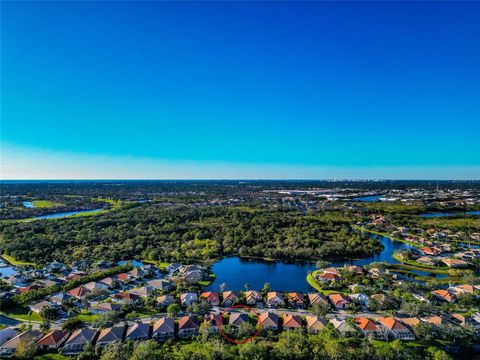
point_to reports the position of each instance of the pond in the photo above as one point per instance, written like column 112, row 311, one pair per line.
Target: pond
column 135, row 263
column 67, row 214
column 285, row 276
column 455, row 213
column 6, row 269
column 28, row 204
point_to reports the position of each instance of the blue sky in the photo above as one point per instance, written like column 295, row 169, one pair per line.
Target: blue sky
column 244, row 90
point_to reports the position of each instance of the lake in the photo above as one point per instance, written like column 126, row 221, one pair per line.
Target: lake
column 285, row 276
column 66, row 214
column 442, row 214
column 370, row 198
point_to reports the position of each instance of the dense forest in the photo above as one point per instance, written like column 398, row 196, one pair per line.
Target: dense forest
column 188, row 233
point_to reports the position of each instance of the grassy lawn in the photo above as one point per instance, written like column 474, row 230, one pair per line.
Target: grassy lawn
column 100, row 211
column 116, row 204
column 22, row 314
column 211, row 279
column 314, row 283
column 52, row 356
column 14, row 262
column 45, row 204
column 87, row 316
column 413, row 265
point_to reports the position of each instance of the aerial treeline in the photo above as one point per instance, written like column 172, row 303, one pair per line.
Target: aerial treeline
column 188, row 233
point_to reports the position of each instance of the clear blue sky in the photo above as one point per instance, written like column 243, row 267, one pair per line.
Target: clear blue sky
column 212, row 90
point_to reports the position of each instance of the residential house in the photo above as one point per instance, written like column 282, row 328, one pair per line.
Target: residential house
column 104, row 307
column 291, row 322
column 9, row 347
column 109, row 281
column 60, row 298
column 434, row 320
column 110, row 335
column 188, row 326
column 268, row 321
column 316, row 298
column 125, row 278
column 79, row 339
column 328, row 277
column 187, row 299
column 161, row 284
column 126, row 298
column 214, row 322
column 39, row 306
column 410, row 322
column 253, row 297
column 355, row 269
column 210, row 297
column 79, row 293
column 275, row 299
column 7, row 334
column 396, row 329
column 444, row 295
column 342, row 326
column 144, row 291
column 163, row 329
column 454, row 263
column 236, row 319
column 165, row 300
column 339, row 301
column 28, row 288
column 137, row 273
column 95, row 286
column 229, row 298
column 370, row 329
column 315, row 324
column 138, row 332
column 296, row 299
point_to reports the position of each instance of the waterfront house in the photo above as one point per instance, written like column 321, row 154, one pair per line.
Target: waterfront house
column 296, row 300
column 188, row 299
column 316, row 298
column 454, row 263
column 253, row 297
column 110, row 335
column 396, row 329
column 9, row 347
column 315, row 324
column 79, row 340
column 138, row 332
column 210, row 297
column 291, row 322
column 165, row 300
column 328, row 277
column 229, row 298
column 268, row 321
column 339, row 301
column 275, row 299
column 187, row 326
column 163, row 329
column 355, row 269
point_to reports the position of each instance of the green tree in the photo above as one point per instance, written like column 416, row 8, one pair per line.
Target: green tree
column 173, row 309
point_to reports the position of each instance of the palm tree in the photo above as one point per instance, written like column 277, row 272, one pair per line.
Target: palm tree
column 246, row 286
